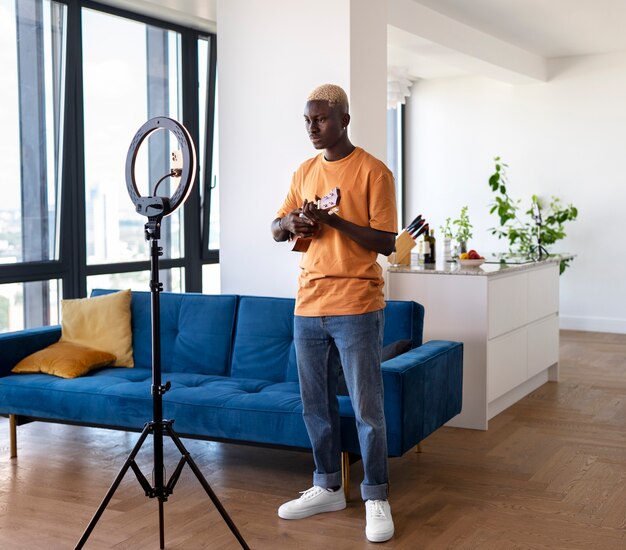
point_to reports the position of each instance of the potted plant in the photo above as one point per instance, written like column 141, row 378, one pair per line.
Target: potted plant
column 544, row 227
column 459, row 230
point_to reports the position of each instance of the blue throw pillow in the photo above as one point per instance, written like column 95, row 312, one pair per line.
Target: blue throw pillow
column 396, row 348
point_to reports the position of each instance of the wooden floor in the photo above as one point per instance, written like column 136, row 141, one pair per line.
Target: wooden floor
column 550, row 473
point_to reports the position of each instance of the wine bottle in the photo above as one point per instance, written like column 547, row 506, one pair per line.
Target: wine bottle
column 431, row 258
column 426, row 245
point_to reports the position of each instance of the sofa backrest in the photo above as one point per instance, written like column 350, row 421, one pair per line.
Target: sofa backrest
column 196, row 331
column 263, row 346
column 240, row 336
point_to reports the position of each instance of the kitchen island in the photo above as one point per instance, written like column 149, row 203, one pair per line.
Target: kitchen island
column 507, row 316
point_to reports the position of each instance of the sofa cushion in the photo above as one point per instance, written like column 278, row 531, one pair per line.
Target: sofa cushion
column 263, row 345
column 202, row 405
column 196, row 331
column 102, row 322
column 239, row 408
column 64, row 359
column 110, row 397
column 395, row 348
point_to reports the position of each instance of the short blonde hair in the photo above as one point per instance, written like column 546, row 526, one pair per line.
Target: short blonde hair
column 332, row 93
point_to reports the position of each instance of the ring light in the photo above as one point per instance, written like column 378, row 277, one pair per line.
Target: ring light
column 155, row 206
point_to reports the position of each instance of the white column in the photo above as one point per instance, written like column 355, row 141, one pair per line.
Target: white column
column 368, row 75
column 271, row 54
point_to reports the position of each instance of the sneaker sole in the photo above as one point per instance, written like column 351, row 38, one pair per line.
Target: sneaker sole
column 381, row 536
column 334, row 507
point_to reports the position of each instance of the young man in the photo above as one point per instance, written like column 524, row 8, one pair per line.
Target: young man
column 339, row 306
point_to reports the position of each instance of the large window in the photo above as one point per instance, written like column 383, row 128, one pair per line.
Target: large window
column 125, row 83
column 33, row 38
column 79, row 80
column 16, row 297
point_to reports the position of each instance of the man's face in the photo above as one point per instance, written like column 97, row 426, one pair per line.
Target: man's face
column 324, row 123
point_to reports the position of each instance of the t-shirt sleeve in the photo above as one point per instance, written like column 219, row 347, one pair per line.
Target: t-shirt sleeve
column 383, row 212
column 293, row 200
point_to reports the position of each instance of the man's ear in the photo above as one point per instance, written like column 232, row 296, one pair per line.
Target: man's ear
column 345, row 120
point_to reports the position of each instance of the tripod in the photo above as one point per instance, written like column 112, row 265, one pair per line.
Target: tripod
column 157, row 426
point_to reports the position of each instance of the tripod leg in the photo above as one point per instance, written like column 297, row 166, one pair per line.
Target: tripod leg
column 206, row 486
column 161, row 525
column 112, row 489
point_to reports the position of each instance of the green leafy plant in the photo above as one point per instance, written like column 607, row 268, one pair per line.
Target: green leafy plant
column 459, row 230
column 464, row 227
column 446, row 230
column 522, row 233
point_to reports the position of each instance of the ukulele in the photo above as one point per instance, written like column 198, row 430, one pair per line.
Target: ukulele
column 328, row 202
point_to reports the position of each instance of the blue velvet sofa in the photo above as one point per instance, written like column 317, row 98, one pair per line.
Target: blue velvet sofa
column 232, row 367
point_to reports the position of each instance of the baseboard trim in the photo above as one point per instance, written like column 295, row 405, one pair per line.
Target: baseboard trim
column 593, row 324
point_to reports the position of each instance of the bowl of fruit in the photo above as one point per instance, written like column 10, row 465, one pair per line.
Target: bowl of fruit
column 470, row 259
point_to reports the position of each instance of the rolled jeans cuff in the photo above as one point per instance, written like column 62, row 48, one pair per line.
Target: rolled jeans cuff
column 374, row 492
column 327, row 480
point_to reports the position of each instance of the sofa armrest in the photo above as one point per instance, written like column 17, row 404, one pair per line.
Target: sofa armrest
column 423, row 390
column 14, row 346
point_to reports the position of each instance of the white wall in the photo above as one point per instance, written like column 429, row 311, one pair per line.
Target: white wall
column 566, row 137
column 271, row 54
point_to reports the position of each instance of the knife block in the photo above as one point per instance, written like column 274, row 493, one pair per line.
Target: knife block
column 404, row 245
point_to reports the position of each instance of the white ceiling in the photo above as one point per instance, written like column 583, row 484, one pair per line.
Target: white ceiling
column 542, row 29
column 550, row 28
column 197, row 14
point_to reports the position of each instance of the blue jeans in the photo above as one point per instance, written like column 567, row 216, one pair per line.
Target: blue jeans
column 355, row 343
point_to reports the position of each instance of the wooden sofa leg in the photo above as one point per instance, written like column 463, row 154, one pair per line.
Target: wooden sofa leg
column 418, row 448
column 13, row 434
column 345, row 474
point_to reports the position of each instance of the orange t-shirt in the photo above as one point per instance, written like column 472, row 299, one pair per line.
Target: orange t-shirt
column 339, row 276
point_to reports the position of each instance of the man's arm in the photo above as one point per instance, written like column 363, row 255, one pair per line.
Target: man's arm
column 372, row 239
column 382, row 242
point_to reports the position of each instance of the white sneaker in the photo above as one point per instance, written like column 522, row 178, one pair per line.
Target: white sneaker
column 378, row 522
column 313, row 501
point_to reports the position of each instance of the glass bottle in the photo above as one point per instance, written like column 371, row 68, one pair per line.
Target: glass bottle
column 429, row 247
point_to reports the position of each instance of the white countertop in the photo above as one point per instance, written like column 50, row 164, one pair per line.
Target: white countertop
column 486, row 269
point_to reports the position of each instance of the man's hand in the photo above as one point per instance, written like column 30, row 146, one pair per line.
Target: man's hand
column 295, row 223
column 300, row 224
column 317, row 215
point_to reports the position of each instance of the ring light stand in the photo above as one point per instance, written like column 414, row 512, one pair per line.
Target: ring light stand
column 156, row 208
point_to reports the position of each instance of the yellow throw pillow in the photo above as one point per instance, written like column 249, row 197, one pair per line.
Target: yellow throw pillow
column 64, row 359
column 102, row 323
